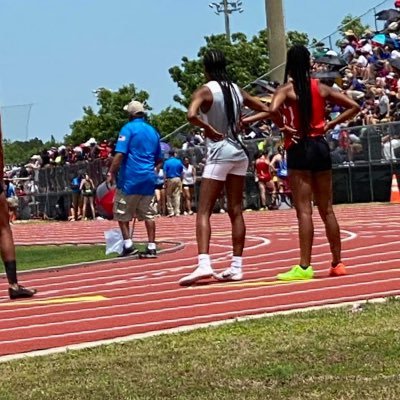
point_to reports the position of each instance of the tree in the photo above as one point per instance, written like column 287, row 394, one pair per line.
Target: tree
column 354, row 24
column 107, row 122
column 294, row 37
column 19, row 152
column 248, row 60
column 168, row 120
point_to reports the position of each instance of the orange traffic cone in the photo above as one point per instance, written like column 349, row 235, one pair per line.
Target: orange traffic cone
column 395, row 194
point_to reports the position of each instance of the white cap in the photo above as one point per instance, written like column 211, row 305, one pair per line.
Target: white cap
column 134, row 107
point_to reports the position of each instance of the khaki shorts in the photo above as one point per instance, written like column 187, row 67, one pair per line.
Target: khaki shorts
column 129, row 206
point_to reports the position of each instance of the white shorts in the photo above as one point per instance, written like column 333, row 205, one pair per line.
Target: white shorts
column 219, row 171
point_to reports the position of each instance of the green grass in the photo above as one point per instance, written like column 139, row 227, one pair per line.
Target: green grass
column 30, row 257
column 331, row 354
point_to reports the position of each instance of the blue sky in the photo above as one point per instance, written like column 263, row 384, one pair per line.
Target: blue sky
column 55, row 52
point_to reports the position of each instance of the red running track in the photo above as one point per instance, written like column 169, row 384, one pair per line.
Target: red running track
column 108, row 301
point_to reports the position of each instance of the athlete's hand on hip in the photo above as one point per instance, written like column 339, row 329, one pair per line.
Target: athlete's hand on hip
column 291, row 132
column 213, row 134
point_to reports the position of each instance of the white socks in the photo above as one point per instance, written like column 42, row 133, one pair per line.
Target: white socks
column 151, row 246
column 128, row 243
column 204, row 261
column 237, row 262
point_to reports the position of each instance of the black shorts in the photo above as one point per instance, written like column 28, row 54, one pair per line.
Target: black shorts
column 310, row 154
column 188, row 185
column 159, row 187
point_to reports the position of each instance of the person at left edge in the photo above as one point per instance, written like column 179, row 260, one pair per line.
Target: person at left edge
column 137, row 153
column 7, row 246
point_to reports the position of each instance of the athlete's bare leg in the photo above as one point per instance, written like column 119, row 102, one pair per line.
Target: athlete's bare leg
column 210, row 190
column 322, row 188
column 301, row 186
column 234, row 194
column 7, row 250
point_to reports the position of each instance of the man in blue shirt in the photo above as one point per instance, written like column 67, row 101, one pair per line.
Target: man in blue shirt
column 173, row 169
column 137, row 153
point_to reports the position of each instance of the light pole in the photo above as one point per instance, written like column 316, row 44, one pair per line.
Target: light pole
column 276, row 38
column 227, row 7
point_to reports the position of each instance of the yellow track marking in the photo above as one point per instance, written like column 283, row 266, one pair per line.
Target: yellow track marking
column 56, row 300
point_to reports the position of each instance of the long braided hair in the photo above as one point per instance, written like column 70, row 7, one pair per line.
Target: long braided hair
column 298, row 67
column 215, row 66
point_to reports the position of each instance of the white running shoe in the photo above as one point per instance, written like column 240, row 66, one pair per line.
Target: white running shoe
column 230, row 274
column 198, row 274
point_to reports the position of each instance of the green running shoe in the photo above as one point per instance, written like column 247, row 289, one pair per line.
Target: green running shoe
column 297, row 274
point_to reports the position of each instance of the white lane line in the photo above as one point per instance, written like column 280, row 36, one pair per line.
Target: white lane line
column 245, row 296
column 115, row 273
column 206, row 316
column 172, row 272
column 186, row 328
column 177, row 290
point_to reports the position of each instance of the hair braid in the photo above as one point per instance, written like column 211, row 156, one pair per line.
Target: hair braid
column 215, row 66
column 298, row 66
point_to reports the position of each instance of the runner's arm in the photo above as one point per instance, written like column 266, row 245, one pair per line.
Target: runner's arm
column 277, row 101
column 254, row 104
column 340, row 99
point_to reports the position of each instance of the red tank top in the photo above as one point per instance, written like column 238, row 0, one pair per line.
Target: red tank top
column 291, row 114
column 263, row 170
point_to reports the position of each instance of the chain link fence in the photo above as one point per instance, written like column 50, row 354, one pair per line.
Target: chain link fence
column 364, row 161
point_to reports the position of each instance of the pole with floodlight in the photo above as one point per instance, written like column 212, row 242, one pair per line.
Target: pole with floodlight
column 227, row 8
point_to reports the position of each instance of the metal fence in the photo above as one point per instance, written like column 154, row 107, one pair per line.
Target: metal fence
column 364, row 161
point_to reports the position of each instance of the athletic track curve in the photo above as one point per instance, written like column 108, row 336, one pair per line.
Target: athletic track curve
column 103, row 301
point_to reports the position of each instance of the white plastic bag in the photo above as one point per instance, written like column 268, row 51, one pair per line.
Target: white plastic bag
column 114, row 241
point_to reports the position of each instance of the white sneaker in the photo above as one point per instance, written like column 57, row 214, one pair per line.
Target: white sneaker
column 198, row 274
column 230, row 274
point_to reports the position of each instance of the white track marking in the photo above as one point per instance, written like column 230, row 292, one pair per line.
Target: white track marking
column 210, row 316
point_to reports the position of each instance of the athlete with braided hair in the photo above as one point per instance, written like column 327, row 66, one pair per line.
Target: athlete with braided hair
column 298, row 108
column 216, row 108
column 7, row 248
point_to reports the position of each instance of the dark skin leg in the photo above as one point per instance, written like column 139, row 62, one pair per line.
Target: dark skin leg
column 151, row 230
column 210, row 190
column 322, row 188
column 301, row 184
column 234, row 195
column 124, row 226
column 304, row 185
column 7, row 247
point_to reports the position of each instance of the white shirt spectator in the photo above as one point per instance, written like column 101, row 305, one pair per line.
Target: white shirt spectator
column 362, row 61
column 348, row 53
column 383, row 105
column 395, row 54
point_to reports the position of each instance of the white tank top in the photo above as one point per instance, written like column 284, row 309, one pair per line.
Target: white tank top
column 187, row 175
column 229, row 149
